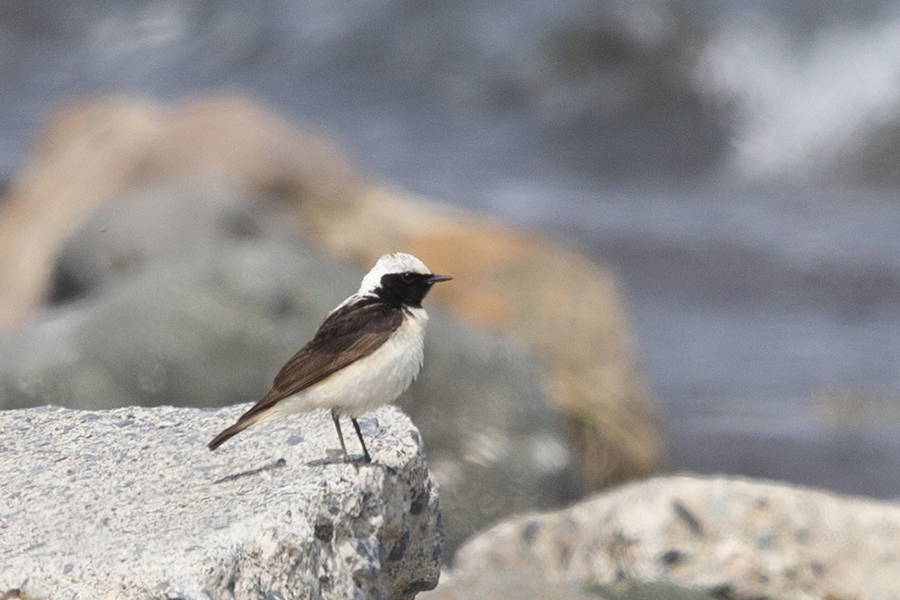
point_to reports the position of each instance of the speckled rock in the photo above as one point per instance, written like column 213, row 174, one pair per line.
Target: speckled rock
column 732, row 538
column 129, row 503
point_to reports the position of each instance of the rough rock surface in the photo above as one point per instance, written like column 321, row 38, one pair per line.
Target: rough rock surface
column 154, row 306
column 566, row 307
column 730, row 537
column 129, row 503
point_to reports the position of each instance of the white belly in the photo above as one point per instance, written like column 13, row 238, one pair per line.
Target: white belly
column 370, row 382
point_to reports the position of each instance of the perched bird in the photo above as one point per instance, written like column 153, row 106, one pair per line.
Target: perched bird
column 365, row 353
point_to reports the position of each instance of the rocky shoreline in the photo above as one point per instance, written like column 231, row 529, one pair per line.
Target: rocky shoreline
column 129, row 503
column 167, row 258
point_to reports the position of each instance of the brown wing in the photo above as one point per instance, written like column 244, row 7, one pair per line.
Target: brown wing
column 344, row 337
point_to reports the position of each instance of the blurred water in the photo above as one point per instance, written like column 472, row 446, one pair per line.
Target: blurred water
column 725, row 157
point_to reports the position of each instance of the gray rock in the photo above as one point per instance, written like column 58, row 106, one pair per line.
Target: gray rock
column 724, row 537
column 129, row 503
column 158, row 302
column 158, row 227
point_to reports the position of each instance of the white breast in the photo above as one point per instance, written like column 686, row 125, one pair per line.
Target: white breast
column 370, row 382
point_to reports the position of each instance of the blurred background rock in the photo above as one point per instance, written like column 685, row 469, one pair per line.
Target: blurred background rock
column 720, row 537
column 179, row 256
column 172, row 212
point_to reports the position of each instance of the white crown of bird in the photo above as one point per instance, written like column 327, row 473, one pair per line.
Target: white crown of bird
column 397, row 262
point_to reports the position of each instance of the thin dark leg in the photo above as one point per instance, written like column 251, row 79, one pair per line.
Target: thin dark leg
column 337, row 425
column 366, row 457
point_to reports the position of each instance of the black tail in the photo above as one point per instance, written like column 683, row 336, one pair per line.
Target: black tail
column 229, row 433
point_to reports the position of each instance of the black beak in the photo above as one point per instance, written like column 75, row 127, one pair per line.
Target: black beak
column 436, row 278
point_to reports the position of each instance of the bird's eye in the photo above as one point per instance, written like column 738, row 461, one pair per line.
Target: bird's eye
column 407, row 277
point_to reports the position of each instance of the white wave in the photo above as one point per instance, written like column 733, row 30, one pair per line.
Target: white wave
column 803, row 106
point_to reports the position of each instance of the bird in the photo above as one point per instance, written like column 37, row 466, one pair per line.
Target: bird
column 364, row 354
